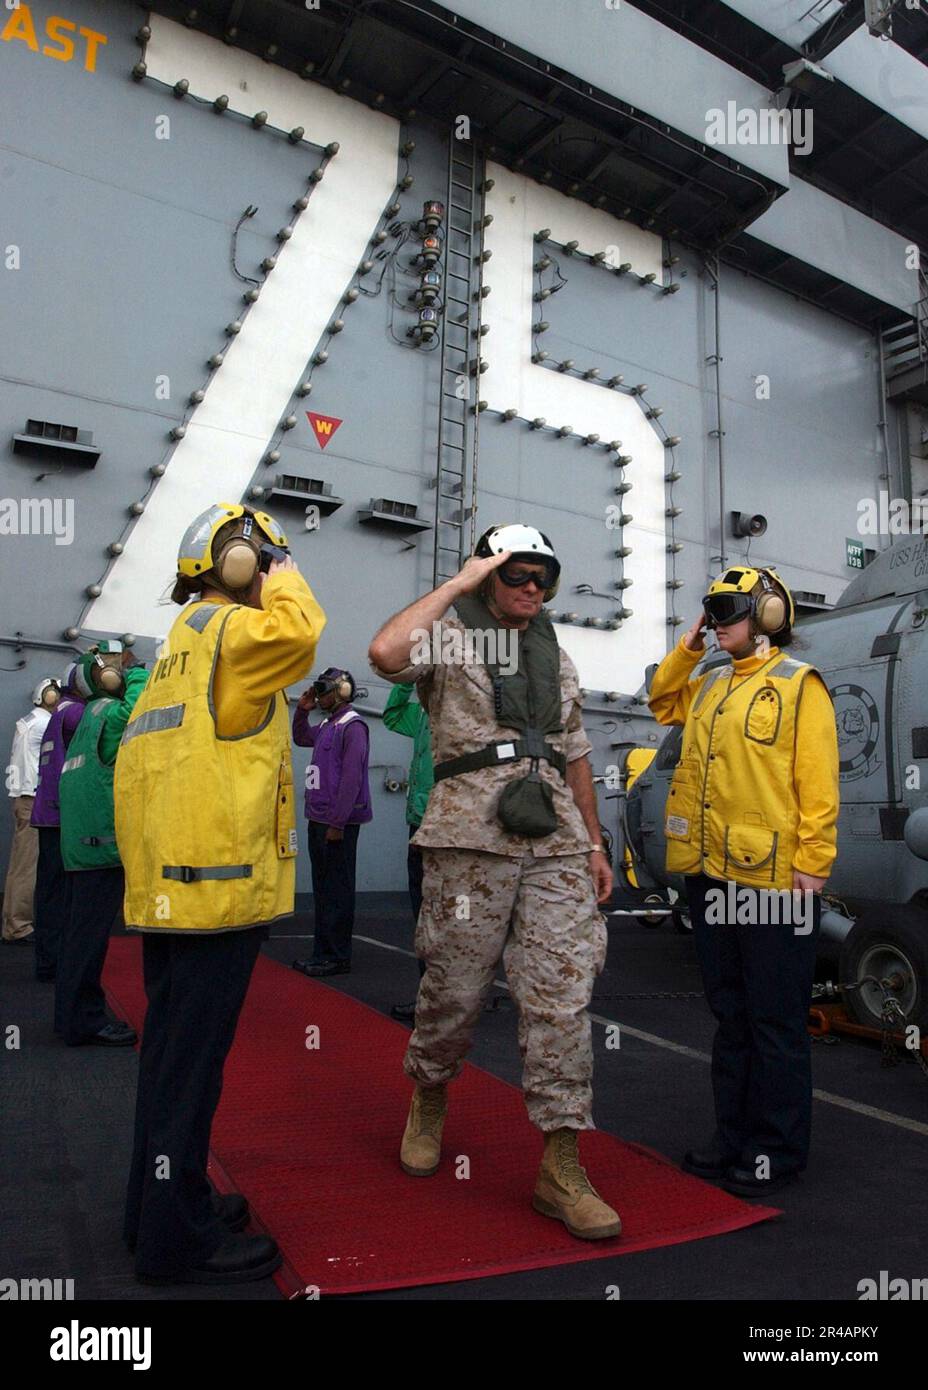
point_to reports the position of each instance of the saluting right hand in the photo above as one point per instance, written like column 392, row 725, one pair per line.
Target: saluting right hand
column 694, row 638
column 287, row 563
column 307, row 700
column 476, row 569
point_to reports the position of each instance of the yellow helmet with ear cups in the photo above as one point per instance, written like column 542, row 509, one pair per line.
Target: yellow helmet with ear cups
column 235, row 562
column 773, row 606
column 743, row 592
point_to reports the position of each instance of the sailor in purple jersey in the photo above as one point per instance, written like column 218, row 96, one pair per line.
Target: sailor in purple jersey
column 338, row 803
column 52, row 903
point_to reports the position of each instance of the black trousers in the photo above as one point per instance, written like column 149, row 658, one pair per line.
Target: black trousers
column 52, row 901
column 414, row 872
column 758, row 983
column 195, row 988
column 96, row 898
column 333, row 865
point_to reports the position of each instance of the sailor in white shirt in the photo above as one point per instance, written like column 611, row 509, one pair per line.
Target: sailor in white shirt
column 22, row 777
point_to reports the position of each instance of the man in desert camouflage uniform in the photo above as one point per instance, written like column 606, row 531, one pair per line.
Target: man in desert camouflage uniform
column 524, row 891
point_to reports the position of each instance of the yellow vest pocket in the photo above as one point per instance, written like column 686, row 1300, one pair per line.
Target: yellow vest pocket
column 762, row 722
column 751, row 850
column 286, row 813
column 681, row 805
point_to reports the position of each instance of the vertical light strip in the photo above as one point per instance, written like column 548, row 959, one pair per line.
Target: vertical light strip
column 245, row 400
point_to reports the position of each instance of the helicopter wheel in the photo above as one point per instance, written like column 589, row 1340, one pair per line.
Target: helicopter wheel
column 896, row 951
column 654, row 919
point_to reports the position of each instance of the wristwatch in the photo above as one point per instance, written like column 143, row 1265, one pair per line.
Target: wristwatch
column 596, row 848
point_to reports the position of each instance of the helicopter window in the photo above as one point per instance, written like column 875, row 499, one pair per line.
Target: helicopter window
column 668, row 755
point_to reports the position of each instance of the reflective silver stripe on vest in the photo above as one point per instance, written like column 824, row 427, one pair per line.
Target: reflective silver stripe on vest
column 198, row 619
column 47, row 747
column 186, row 873
column 787, row 668
column 167, row 717
column 98, row 839
column 73, row 763
column 710, row 680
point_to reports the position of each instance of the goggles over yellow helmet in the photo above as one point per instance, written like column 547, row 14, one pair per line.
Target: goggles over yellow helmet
column 744, row 592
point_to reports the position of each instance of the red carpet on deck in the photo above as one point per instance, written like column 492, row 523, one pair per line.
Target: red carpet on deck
column 311, row 1137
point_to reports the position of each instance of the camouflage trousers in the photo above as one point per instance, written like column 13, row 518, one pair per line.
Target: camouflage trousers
column 539, row 916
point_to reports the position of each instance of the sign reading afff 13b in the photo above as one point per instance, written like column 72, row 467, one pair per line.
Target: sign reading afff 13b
column 66, row 38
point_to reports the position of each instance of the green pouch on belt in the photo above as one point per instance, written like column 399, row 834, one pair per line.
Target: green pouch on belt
column 526, row 807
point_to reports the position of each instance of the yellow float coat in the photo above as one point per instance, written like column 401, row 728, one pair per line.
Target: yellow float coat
column 205, row 804
column 755, row 794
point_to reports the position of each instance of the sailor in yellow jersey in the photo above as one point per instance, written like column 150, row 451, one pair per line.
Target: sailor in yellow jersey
column 751, row 822
column 206, row 826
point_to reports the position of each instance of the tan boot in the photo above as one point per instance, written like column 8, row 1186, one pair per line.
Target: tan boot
column 564, row 1191
column 420, row 1151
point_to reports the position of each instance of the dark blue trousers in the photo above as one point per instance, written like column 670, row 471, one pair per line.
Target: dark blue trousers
column 52, row 901
column 196, row 987
column 758, row 984
column 333, row 865
column 96, row 899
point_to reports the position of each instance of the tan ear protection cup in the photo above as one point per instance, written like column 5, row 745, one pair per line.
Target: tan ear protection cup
column 770, row 610
column 343, row 690
column 237, row 564
column 771, row 613
column 110, row 679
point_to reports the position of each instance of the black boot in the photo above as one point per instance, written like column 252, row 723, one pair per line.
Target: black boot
column 239, row 1260
column 318, row 969
column 705, row 1163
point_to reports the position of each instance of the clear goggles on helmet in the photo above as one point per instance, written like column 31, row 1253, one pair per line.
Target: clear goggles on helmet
column 514, row 573
column 723, row 609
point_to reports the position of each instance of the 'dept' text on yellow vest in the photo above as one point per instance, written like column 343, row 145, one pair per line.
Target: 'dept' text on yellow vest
column 205, row 823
